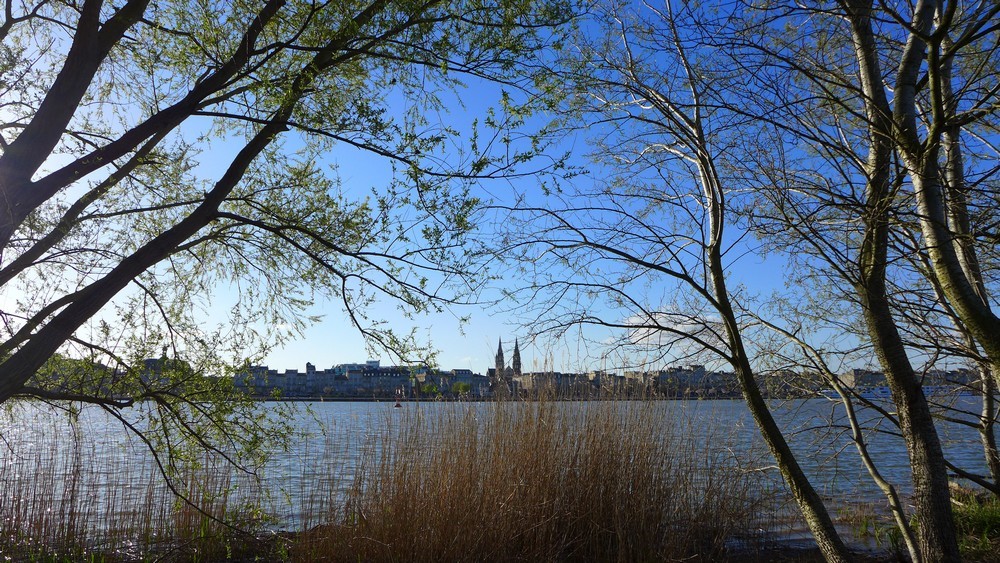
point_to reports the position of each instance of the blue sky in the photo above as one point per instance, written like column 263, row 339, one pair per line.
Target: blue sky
column 333, row 340
column 472, row 346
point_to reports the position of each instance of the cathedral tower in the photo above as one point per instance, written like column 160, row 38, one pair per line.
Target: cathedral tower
column 500, row 364
column 515, row 362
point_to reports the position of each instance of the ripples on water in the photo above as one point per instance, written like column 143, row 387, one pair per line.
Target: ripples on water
column 43, row 456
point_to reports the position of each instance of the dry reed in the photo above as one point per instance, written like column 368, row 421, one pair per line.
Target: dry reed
column 504, row 481
column 60, row 503
column 538, row 481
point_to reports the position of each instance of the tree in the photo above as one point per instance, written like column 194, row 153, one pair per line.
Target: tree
column 154, row 150
column 650, row 239
column 461, row 389
column 863, row 262
column 774, row 118
column 831, row 94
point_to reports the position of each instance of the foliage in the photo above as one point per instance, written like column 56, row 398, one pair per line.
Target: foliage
column 164, row 162
column 852, row 141
column 977, row 519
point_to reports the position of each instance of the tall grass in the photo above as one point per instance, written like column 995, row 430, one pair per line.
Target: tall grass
column 62, row 500
column 539, row 481
column 533, row 481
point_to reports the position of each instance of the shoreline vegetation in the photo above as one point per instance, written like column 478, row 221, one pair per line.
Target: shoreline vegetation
column 515, row 481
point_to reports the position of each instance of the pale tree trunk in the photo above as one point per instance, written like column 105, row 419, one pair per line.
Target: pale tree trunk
column 941, row 244
column 960, row 230
column 987, row 425
column 935, row 526
column 987, row 387
column 958, row 225
column 688, row 126
column 808, row 500
column 940, row 207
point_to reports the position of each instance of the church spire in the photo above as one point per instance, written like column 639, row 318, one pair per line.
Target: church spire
column 500, row 364
column 515, row 362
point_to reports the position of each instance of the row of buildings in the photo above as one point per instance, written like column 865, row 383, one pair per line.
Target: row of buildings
column 367, row 380
column 373, row 380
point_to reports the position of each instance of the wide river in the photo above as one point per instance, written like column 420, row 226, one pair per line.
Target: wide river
column 36, row 439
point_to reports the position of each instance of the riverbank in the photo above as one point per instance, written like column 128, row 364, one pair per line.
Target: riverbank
column 547, row 481
column 284, row 548
column 535, row 481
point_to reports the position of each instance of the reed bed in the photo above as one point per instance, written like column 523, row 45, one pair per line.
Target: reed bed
column 538, row 481
column 504, row 481
column 61, row 500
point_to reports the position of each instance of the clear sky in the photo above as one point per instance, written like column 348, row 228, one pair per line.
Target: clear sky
column 332, row 340
column 473, row 345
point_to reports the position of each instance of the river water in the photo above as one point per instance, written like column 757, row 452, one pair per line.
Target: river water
column 332, row 436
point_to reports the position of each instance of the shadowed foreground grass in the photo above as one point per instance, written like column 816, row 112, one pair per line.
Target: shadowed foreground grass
column 508, row 481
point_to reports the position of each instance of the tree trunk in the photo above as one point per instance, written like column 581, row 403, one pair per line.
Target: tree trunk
column 987, row 423
column 935, row 525
column 808, row 500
